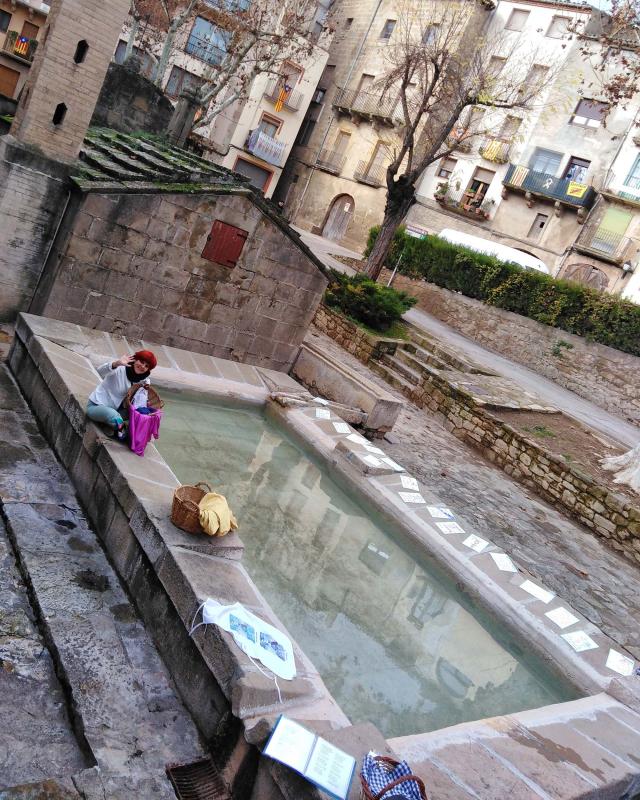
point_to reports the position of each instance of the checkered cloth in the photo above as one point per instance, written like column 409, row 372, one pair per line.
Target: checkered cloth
column 378, row 776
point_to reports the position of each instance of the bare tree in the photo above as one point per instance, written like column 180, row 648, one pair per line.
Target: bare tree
column 251, row 38
column 445, row 64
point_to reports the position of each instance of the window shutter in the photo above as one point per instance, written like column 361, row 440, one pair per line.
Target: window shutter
column 224, row 244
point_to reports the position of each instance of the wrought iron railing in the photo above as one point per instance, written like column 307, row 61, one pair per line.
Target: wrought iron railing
column 291, row 100
column 632, row 183
column 20, row 46
column 571, row 193
column 204, row 49
column 365, row 172
column 266, row 147
column 368, row 104
column 604, row 243
column 495, row 150
column 330, row 161
column 464, row 201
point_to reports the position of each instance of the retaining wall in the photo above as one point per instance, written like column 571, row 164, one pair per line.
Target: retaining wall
column 351, row 337
column 607, row 377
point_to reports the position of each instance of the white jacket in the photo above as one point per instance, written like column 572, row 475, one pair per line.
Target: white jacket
column 114, row 386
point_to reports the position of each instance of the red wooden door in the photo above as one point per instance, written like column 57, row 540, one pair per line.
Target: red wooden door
column 224, row 244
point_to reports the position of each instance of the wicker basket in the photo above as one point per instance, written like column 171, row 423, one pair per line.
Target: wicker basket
column 185, row 513
column 390, row 764
column 153, row 401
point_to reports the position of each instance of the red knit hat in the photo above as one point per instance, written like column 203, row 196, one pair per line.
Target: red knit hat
column 148, row 357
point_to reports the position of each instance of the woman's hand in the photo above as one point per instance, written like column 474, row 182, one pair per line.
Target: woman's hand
column 123, row 361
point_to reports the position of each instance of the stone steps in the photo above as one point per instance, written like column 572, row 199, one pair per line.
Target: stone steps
column 392, row 377
column 400, row 367
column 421, row 361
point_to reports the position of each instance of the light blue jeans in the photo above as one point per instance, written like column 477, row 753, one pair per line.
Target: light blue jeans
column 104, row 414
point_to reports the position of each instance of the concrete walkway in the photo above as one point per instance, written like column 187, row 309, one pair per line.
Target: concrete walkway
column 626, row 434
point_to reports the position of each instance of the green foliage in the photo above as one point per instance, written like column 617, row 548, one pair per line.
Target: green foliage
column 357, row 296
column 600, row 317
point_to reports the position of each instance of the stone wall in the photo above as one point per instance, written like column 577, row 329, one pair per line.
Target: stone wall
column 350, row 336
column 131, row 264
column 129, row 102
column 607, row 377
column 33, row 191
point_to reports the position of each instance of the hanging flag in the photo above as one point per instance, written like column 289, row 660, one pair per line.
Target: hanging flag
column 283, row 96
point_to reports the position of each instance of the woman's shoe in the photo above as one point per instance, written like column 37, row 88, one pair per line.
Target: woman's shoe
column 120, row 433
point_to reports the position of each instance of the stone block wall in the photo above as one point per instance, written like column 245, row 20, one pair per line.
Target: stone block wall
column 350, row 336
column 608, row 515
column 607, row 377
column 131, row 264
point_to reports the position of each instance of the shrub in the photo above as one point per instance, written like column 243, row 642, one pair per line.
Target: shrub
column 366, row 301
column 597, row 316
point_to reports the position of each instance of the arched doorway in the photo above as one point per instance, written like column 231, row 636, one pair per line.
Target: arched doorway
column 339, row 217
column 588, row 275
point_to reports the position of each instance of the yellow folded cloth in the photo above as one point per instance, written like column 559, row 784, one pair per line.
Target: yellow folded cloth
column 216, row 517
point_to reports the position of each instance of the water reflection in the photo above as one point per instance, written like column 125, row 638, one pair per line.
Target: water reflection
column 391, row 641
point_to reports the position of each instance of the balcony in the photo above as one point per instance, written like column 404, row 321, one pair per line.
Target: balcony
column 495, row 150
column 330, row 161
column 372, row 176
column 603, row 244
column 368, row 105
column 539, row 184
column 292, row 101
column 266, row 147
column 19, row 47
column 464, row 202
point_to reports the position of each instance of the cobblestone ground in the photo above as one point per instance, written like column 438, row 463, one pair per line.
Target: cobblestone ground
column 564, row 556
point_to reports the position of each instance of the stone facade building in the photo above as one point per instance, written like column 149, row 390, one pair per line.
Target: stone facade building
column 21, row 25
column 253, row 136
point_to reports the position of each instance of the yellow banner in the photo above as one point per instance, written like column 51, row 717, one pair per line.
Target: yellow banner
column 577, row 189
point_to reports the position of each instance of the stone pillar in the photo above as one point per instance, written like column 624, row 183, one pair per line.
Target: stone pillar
column 65, row 79
column 182, row 120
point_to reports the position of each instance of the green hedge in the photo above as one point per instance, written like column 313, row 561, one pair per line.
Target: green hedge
column 366, row 301
column 597, row 316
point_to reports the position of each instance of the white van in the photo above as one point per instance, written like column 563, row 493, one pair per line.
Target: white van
column 501, row 251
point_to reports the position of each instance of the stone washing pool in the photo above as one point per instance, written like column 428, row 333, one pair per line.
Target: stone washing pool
column 394, row 641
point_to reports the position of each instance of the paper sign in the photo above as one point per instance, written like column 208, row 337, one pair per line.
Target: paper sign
column 562, row 617
column 372, row 461
column 321, row 400
column 409, row 483
column 503, row 562
column 440, row 512
column 323, row 413
column 475, row 543
column 619, row 663
column 412, row 497
column 341, row 427
column 579, row 640
column 355, row 437
column 449, row 527
column 391, row 463
column 537, row 591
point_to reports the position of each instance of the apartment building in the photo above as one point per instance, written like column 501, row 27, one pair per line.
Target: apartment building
column 254, row 135
column 558, row 183
column 21, row 23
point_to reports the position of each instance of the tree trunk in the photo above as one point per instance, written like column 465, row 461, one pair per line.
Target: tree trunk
column 135, row 26
column 400, row 198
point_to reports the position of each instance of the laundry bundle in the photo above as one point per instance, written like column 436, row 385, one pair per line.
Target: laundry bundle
column 215, row 515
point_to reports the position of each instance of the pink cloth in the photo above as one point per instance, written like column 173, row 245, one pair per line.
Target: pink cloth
column 142, row 428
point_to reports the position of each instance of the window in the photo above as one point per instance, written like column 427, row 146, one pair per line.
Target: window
column 387, row 30
column 517, row 20
column 535, row 232
column 446, row 168
column 224, row 244
column 269, row 125
column 430, row 34
column 59, row 114
column 589, row 113
column 318, row 96
column 5, row 19
column 146, row 59
column 228, row 5
column 536, row 75
column 559, row 28
column 341, row 143
column 327, row 77
column 348, row 22
column 180, row 80
column 509, row 128
column 478, row 188
column 258, row 176
column 633, row 178
column 496, row 65
column 545, row 161
column 29, row 30
column 207, row 41
column 577, row 170
column 82, row 48
column 365, row 83
column 8, row 80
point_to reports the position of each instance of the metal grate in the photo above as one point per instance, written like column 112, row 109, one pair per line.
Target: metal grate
column 198, row 781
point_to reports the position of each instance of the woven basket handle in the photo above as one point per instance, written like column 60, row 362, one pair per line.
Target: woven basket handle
column 205, row 484
column 398, row 781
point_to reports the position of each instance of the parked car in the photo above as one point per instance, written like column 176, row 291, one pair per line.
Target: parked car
column 501, row 251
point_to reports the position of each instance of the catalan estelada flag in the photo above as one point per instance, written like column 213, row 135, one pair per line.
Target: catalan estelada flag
column 283, row 96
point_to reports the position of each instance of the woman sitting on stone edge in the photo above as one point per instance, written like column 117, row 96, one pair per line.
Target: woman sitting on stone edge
column 117, row 378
